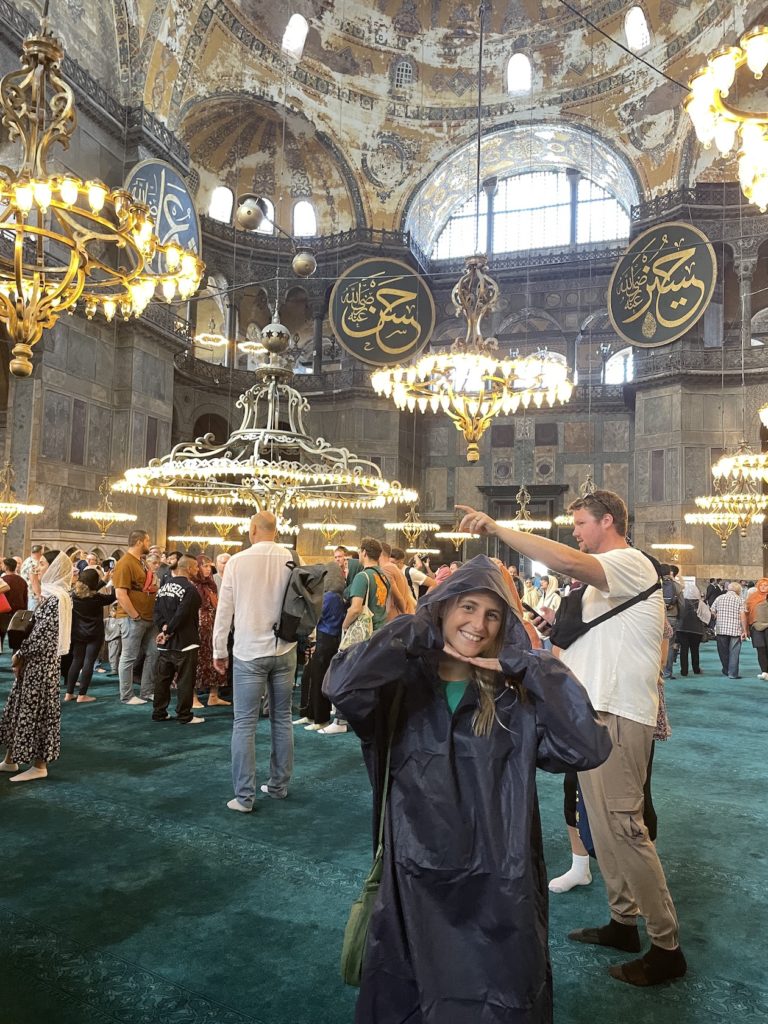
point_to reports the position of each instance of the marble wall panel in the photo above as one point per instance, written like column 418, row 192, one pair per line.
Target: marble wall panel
column 81, row 355
column 615, row 435
column 54, row 347
column 150, row 376
column 696, row 474
column 99, row 438
column 57, row 417
column 468, row 479
column 642, row 477
column 672, row 475
column 440, row 439
column 578, row 436
column 616, row 478
column 436, row 489
column 657, row 415
column 138, row 433
column 574, row 474
column 119, row 446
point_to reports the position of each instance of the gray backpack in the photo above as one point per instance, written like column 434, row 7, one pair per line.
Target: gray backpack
column 302, row 602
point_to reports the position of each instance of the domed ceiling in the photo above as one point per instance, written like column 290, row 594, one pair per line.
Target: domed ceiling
column 177, row 53
column 251, row 147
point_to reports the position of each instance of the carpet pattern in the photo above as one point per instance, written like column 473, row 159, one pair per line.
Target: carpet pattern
column 129, row 893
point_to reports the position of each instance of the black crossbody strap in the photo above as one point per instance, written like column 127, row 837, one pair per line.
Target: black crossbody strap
column 623, row 607
column 394, row 711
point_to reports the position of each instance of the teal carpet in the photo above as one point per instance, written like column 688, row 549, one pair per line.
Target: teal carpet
column 129, row 893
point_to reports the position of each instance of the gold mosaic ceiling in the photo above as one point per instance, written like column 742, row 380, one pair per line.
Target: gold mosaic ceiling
column 176, row 56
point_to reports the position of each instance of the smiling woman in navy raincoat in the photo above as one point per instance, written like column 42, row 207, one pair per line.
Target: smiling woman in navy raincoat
column 459, row 932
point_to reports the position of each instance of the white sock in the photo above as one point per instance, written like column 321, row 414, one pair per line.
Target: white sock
column 579, row 874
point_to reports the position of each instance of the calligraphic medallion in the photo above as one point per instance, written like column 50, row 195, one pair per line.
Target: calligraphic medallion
column 381, row 311
column 163, row 189
column 662, row 284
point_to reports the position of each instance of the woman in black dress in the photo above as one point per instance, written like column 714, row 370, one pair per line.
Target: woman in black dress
column 87, row 632
column 30, row 728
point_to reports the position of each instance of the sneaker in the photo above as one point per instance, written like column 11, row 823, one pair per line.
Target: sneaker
column 135, row 700
column 235, row 805
column 332, row 729
column 275, row 796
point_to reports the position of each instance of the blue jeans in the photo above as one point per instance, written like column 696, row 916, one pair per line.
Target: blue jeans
column 729, row 647
column 137, row 636
column 274, row 674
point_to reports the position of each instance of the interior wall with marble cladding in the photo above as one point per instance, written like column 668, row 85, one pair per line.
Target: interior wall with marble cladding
column 538, row 448
column 681, row 429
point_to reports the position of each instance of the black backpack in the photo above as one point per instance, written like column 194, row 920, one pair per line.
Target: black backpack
column 302, row 602
column 569, row 624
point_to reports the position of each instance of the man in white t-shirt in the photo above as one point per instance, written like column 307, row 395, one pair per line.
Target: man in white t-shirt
column 618, row 662
column 251, row 594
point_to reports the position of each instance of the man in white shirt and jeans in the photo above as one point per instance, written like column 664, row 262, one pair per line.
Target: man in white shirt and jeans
column 618, row 662
column 252, row 593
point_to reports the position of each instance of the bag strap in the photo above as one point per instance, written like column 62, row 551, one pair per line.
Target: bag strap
column 391, row 724
column 623, row 607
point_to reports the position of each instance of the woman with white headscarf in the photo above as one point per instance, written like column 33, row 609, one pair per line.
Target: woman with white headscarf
column 30, row 728
column 690, row 629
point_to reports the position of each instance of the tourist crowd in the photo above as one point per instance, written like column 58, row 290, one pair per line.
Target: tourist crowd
column 459, row 681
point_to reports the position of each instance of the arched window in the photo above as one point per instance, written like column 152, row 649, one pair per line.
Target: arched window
column 519, row 74
column 220, row 206
column 599, row 216
column 403, row 74
column 295, row 35
column 636, row 30
column 304, row 219
column 462, row 235
column 267, row 225
column 619, row 369
column 532, row 211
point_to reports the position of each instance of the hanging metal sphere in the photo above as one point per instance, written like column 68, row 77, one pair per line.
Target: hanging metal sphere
column 275, row 338
column 304, row 264
column 251, row 211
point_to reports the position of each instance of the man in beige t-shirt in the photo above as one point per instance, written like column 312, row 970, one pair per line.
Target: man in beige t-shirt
column 136, row 605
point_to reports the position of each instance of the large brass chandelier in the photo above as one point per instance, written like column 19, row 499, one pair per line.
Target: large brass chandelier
column 63, row 239
column 524, row 520
column 471, row 382
column 271, row 461
column 412, row 526
column 104, row 516
column 716, row 119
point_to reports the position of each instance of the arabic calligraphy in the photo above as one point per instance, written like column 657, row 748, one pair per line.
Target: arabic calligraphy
column 662, row 285
column 171, row 206
column 382, row 311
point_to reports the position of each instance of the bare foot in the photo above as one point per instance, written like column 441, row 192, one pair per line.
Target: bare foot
column 214, row 699
column 196, row 704
column 68, row 697
column 85, row 699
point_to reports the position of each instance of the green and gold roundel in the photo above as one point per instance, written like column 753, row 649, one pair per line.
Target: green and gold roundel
column 382, row 311
column 662, row 284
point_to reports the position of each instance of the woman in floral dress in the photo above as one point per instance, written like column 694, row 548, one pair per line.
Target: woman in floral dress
column 207, row 678
column 30, row 728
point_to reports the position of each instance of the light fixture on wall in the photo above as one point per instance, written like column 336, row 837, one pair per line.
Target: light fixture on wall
column 524, row 520
column 472, row 382
column 252, row 211
column 104, row 516
column 65, row 239
column 716, row 120
column 10, row 508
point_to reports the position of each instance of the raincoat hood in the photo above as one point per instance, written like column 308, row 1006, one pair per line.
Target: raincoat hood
column 479, row 573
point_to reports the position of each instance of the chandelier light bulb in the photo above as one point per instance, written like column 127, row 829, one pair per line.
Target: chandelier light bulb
column 43, row 194
column 723, row 66
column 23, row 196
column 97, row 194
column 69, row 191
column 755, row 45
